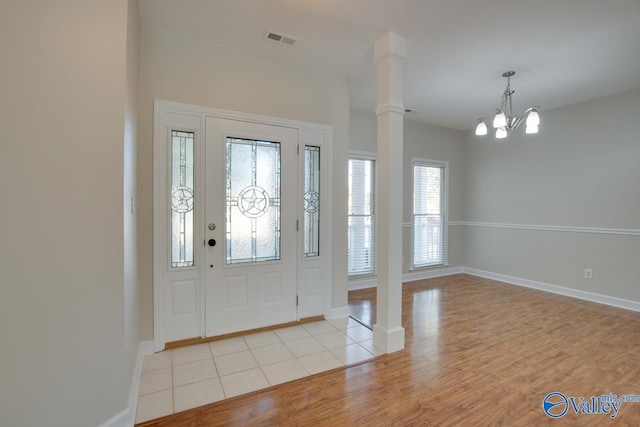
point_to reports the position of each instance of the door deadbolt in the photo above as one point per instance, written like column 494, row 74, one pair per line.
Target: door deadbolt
column 212, row 226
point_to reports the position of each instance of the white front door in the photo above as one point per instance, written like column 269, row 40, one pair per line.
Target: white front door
column 251, row 185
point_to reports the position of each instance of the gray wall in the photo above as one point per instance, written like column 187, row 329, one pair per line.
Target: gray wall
column 64, row 354
column 581, row 170
column 132, row 301
column 580, row 173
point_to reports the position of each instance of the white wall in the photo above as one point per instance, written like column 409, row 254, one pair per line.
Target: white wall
column 181, row 69
column 363, row 131
column 62, row 109
column 428, row 142
column 581, row 170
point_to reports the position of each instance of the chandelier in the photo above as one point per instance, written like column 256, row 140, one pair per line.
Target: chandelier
column 504, row 121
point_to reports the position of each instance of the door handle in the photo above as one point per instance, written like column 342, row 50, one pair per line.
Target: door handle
column 211, row 242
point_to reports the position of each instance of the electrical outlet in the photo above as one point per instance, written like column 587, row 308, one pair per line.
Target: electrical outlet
column 588, row 273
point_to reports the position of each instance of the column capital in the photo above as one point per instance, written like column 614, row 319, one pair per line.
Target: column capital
column 389, row 108
column 390, row 44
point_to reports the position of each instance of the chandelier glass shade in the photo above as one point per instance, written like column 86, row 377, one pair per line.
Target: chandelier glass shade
column 504, row 121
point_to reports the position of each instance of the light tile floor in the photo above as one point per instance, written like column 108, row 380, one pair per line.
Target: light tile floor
column 187, row 377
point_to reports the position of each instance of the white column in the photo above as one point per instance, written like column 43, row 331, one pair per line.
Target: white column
column 388, row 333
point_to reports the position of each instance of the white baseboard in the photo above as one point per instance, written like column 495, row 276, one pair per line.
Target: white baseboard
column 431, row 273
column 372, row 282
column 561, row 290
column 121, row 419
column 365, row 283
column 338, row 313
column 127, row 417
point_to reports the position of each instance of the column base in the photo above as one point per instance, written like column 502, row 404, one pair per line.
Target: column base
column 337, row 313
column 388, row 340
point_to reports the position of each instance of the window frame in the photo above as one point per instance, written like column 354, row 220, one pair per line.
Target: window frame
column 444, row 203
column 366, row 155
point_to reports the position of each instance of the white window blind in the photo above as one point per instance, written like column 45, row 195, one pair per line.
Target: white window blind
column 429, row 214
column 361, row 257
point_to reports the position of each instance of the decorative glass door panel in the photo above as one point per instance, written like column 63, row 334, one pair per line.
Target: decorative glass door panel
column 311, row 201
column 252, row 201
column 182, row 146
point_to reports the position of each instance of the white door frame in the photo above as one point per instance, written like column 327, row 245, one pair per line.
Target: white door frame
column 168, row 114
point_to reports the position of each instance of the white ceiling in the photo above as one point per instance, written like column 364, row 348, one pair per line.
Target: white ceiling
column 564, row 51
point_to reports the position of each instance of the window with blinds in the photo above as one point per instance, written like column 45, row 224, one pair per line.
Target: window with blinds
column 429, row 213
column 361, row 256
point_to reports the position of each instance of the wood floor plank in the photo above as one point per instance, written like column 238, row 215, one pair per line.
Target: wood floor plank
column 478, row 352
column 362, row 306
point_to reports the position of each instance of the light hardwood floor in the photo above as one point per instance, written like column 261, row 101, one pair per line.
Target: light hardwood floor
column 478, row 352
column 362, row 306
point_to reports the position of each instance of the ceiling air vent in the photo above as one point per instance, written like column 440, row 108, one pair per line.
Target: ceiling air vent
column 280, row 38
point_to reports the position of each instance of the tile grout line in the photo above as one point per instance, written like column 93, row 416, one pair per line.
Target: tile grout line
column 294, row 358
column 260, row 365
column 256, row 360
column 215, row 368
